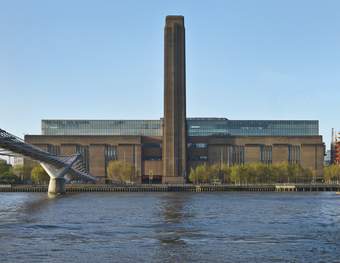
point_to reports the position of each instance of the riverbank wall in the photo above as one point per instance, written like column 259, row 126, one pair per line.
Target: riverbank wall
column 75, row 188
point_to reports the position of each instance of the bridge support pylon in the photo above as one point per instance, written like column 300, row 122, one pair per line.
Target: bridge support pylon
column 56, row 186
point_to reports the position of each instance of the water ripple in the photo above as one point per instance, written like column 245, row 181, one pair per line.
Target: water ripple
column 170, row 227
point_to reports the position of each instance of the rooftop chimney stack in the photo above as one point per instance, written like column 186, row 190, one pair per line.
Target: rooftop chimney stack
column 174, row 123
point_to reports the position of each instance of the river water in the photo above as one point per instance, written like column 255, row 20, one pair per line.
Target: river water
column 170, row 227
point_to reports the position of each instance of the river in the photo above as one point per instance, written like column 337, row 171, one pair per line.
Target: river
column 170, row 227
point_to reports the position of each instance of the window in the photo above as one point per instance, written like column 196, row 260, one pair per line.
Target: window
column 266, row 154
column 110, row 154
column 238, row 154
column 294, row 154
column 84, row 152
column 53, row 149
column 196, row 127
column 199, row 145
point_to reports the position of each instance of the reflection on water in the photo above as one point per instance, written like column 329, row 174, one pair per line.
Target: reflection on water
column 170, row 227
column 175, row 229
column 172, row 215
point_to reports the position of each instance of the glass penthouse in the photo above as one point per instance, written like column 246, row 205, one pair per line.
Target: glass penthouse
column 195, row 127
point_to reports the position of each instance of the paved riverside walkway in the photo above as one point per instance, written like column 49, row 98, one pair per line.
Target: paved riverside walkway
column 178, row 188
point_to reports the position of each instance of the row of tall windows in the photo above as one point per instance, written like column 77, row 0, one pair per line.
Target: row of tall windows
column 110, row 154
column 85, row 156
column 266, row 154
column 232, row 154
column 82, row 150
column 53, row 149
column 294, row 154
column 238, row 154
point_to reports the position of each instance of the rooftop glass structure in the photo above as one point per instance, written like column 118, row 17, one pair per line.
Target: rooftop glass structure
column 101, row 127
column 195, row 126
column 220, row 126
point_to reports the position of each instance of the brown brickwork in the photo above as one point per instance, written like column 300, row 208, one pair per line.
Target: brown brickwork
column 97, row 160
column 252, row 153
column 280, row 153
column 130, row 149
column 174, row 129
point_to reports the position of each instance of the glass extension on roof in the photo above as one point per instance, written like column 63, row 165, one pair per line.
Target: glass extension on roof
column 195, row 126
column 101, row 127
column 208, row 127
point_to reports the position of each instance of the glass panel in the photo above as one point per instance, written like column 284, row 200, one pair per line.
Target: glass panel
column 196, row 127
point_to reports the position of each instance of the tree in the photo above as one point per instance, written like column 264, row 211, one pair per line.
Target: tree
column 8, row 178
column 328, row 173
column 121, row 171
column 332, row 173
column 6, row 174
column 225, row 172
column 18, row 170
column 254, row 173
column 39, row 175
column 307, row 174
column 281, row 173
column 193, row 176
column 4, row 167
column 201, row 174
column 197, row 174
column 214, row 173
column 235, row 177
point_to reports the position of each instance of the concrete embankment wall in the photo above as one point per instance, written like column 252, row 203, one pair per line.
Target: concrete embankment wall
column 178, row 188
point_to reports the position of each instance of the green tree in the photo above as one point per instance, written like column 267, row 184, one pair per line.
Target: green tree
column 225, row 172
column 235, row 174
column 8, row 178
column 213, row 173
column 121, row 171
column 332, row 173
column 19, row 170
column 254, row 173
column 39, row 175
column 307, row 173
column 193, row 176
column 200, row 174
column 6, row 173
column 4, row 167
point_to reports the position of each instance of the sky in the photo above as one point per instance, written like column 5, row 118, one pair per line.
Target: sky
column 246, row 59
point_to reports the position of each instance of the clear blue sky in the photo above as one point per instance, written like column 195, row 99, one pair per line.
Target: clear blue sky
column 245, row 60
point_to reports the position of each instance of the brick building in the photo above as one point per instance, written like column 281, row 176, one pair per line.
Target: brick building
column 164, row 150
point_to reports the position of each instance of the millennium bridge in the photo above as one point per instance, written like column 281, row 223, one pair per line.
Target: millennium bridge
column 59, row 168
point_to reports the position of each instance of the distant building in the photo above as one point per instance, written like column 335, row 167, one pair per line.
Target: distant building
column 328, row 157
column 333, row 143
column 164, row 150
column 335, row 148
